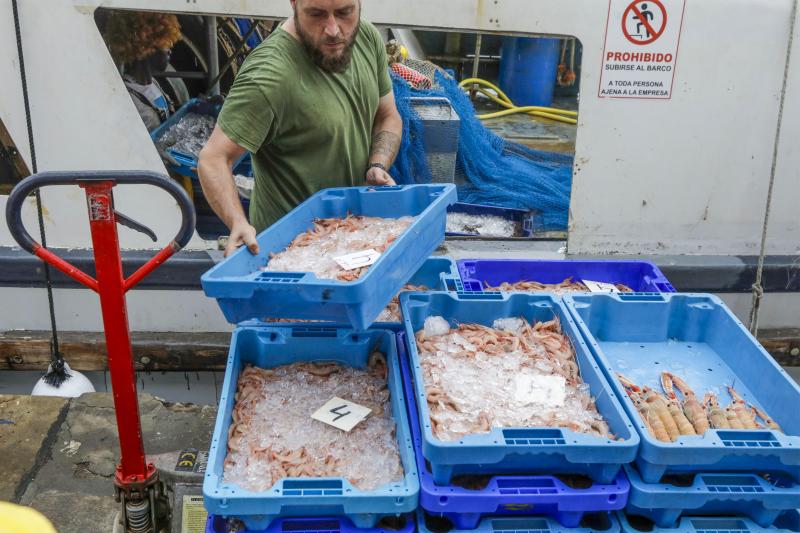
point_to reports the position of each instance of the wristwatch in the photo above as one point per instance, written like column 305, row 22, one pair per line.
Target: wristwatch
column 377, row 165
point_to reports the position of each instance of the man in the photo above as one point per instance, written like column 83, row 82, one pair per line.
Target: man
column 314, row 105
column 141, row 42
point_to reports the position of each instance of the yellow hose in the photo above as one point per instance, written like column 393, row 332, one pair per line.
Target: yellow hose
column 560, row 115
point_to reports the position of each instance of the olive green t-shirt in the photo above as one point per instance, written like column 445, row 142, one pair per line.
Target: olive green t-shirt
column 307, row 129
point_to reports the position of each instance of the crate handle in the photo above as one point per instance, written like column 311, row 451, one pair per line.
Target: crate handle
column 712, row 523
column 664, row 286
column 385, row 188
column 534, row 437
column 480, row 296
column 641, row 297
column 520, row 525
column 732, row 483
column 286, row 525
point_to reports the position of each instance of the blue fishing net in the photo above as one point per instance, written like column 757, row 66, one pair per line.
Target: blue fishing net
column 498, row 173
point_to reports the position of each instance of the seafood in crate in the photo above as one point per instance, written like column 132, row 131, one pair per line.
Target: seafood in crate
column 317, row 249
column 482, row 225
column 392, row 311
column 513, row 374
column 273, row 437
column 667, row 418
column 568, row 285
column 189, row 134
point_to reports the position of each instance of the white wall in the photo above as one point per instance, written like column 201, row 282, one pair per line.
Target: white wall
column 686, row 175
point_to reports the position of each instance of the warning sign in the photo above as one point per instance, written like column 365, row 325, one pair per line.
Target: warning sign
column 641, row 48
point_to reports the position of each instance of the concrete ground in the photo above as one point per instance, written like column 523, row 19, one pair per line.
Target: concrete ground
column 59, row 455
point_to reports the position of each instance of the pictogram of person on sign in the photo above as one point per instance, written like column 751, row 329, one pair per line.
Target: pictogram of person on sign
column 644, row 15
column 644, row 21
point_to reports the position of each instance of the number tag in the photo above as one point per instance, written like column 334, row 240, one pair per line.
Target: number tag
column 599, row 286
column 341, row 414
column 357, row 259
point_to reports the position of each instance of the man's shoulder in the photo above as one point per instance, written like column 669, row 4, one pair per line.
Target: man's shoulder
column 273, row 56
column 370, row 32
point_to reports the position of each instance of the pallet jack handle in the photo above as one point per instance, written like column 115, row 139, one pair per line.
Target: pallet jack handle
column 99, row 210
column 134, row 478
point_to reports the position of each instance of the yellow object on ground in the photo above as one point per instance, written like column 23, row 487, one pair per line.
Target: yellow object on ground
column 18, row 519
column 500, row 98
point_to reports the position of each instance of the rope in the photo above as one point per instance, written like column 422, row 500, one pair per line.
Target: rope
column 758, row 289
column 56, row 374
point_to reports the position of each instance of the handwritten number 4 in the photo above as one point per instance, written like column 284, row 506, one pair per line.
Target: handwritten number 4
column 336, row 410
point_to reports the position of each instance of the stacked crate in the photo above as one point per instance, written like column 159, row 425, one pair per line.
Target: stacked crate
column 521, row 464
column 725, row 479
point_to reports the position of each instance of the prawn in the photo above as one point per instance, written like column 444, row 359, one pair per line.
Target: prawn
column 739, row 407
column 692, row 408
column 673, row 404
column 715, row 413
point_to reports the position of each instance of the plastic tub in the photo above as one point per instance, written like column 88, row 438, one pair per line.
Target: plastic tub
column 527, row 221
column 720, row 494
column 187, row 163
column 528, row 69
column 217, row 524
column 788, row 522
column 599, row 523
column 244, row 292
column 518, row 450
column 696, row 337
column 641, row 276
column 504, row 495
column 267, row 347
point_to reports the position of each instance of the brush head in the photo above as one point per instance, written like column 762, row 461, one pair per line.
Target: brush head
column 61, row 380
column 56, row 373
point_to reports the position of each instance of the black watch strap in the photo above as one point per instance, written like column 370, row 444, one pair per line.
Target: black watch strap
column 377, row 165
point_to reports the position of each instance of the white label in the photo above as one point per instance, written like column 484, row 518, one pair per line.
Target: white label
column 341, row 414
column 599, row 286
column 357, row 259
column 641, row 48
column 544, row 391
column 194, row 515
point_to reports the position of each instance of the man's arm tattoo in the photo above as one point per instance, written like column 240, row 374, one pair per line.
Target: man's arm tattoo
column 385, row 145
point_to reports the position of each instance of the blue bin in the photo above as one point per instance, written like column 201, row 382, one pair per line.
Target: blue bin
column 504, row 495
column 641, row 276
column 528, row 220
column 268, row 347
column 597, row 523
column 788, row 522
column 720, row 494
column 518, row 450
column 244, row 292
column 528, row 69
column 698, row 338
column 187, row 163
column 407, row 524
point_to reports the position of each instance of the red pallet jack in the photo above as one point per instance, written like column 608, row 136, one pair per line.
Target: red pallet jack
column 138, row 489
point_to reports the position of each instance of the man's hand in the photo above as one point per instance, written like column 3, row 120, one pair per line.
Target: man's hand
column 242, row 233
column 378, row 176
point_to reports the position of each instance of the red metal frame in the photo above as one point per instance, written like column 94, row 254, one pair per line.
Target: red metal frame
column 133, row 473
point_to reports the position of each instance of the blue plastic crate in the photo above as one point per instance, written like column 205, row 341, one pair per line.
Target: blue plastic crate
column 187, row 163
column 406, row 524
column 721, row 494
column 788, row 522
column 529, row 221
column 696, row 337
column 641, row 276
column 518, row 450
column 437, row 273
column 596, row 523
column 268, row 347
column 244, row 292
column 504, row 495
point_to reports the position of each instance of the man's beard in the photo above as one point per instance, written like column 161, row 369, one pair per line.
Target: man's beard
column 335, row 64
